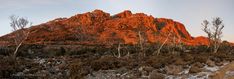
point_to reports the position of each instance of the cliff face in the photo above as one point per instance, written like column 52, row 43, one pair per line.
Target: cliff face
column 98, row 27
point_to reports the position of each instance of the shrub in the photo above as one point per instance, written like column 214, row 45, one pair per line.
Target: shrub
column 107, row 62
column 157, row 61
column 201, row 59
column 8, row 67
column 61, row 52
column 78, row 70
column 5, row 51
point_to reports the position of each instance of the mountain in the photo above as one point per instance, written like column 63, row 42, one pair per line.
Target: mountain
column 98, row 27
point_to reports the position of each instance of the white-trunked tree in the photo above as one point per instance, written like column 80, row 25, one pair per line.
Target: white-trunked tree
column 18, row 25
column 214, row 33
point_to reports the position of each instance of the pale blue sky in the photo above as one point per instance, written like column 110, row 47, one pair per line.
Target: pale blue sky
column 189, row 12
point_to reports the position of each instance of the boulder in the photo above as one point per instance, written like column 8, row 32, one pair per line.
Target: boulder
column 173, row 69
column 195, row 69
column 180, row 61
column 219, row 63
column 210, row 63
column 155, row 75
column 198, row 64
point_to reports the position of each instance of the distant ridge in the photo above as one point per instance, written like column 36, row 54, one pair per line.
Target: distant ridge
column 98, row 27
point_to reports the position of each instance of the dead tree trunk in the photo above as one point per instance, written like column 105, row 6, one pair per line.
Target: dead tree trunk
column 140, row 40
column 141, row 44
column 119, row 53
column 174, row 44
column 19, row 45
column 159, row 50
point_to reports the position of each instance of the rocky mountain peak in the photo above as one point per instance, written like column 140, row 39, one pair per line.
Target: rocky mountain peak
column 98, row 27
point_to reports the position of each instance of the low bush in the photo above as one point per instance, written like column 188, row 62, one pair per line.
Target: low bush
column 6, row 51
column 8, row 67
column 107, row 62
column 78, row 70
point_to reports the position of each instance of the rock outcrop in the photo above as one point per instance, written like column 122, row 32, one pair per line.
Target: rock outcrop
column 98, row 27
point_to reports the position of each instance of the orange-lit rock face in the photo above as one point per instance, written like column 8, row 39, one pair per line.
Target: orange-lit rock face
column 200, row 41
column 98, row 27
column 177, row 28
column 124, row 14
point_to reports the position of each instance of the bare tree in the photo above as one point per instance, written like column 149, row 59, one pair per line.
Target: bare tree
column 161, row 46
column 119, row 51
column 215, row 34
column 207, row 30
column 21, row 33
column 180, row 45
column 174, row 45
column 170, row 34
column 140, row 40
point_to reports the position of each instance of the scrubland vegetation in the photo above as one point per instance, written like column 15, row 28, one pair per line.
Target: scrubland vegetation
column 82, row 61
column 159, row 60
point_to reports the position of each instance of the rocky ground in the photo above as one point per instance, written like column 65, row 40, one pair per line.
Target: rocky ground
column 226, row 72
column 90, row 66
column 34, row 68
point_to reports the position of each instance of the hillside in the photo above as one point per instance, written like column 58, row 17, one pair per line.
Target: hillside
column 97, row 45
column 98, row 27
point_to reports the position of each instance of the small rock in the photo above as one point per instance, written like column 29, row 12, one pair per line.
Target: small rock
column 219, row 63
column 187, row 51
column 19, row 74
column 25, row 70
column 148, row 69
column 141, row 68
column 198, row 64
column 216, row 59
column 121, row 70
column 210, row 63
column 195, row 69
column 188, row 57
column 155, row 75
column 48, row 63
column 201, row 59
column 173, row 69
column 144, row 73
column 41, row 61
column 179, row 61
column 60, row 74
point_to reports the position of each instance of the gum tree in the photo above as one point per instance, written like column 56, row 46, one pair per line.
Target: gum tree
column 19, row 24
column 214, row 32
